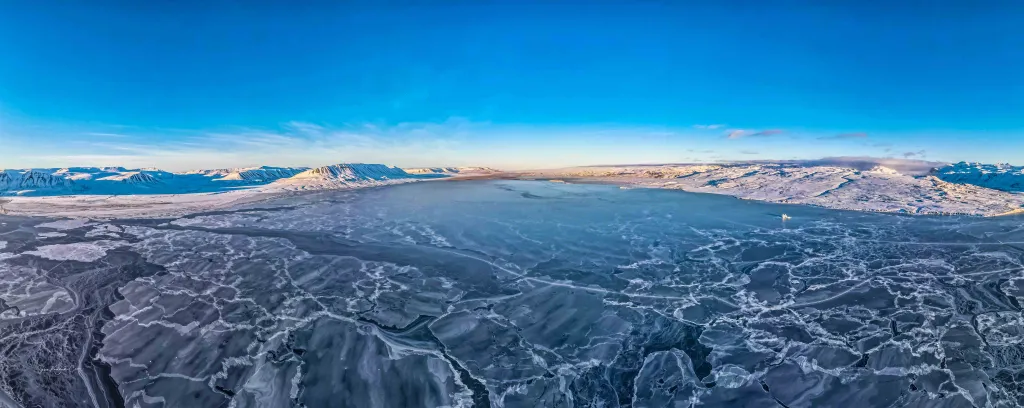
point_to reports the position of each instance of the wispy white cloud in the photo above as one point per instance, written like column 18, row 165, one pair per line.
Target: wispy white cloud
column 708, row 127
column 106, row 134
column 741, row 133
column 294, row 143
column 845, row 136
column 454, row 142
column 918, row 154
column 736, row 133
column 768, row 132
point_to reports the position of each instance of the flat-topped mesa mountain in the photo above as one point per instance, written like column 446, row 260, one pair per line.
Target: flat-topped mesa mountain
column 134, row 177
column 1003, row 177
column 879, row 188
column 452, row 171
column 347, row 175
column 259, row 174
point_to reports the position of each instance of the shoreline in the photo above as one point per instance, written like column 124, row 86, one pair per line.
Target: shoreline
column 177, row 205
column 640, row 183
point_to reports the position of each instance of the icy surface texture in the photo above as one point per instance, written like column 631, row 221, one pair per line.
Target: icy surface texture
column 514, row 294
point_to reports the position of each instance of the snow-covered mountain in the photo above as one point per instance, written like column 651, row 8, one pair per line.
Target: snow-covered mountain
column 261, row 174
column 251, row 174
column 346, row 175
column 878, row 189
column 33, row 180
column 996, row 176
column 120, row 181
column 452, row 171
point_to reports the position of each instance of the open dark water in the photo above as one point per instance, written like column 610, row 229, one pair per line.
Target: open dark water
column 514, row 294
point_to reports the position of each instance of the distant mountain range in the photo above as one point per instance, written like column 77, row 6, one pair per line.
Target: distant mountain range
column 123, row 181
column 451, row 170
column 961, row 188
column 995, row 176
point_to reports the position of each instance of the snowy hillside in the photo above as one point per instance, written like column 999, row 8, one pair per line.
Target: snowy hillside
column 33, row 180
column 261, row 174
column 452, row 171
column 119, row 192
column 997, row 176
column 878, row 189
column 252, row 174
column 121, row 181
column 346, row 175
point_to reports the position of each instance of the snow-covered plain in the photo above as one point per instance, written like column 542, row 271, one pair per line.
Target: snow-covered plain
column 880, row 188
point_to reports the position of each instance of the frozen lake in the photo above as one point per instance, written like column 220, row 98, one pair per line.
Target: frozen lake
column 513, row 294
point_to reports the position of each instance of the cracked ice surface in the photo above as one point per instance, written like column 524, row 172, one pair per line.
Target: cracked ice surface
column 519, row 294
column 79, row 251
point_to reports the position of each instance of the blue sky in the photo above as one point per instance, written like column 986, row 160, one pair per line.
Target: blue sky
column 509, row 84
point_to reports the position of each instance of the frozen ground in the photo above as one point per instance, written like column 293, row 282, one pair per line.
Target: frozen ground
column 878, row 188
column 513, row 294
column 131, row 206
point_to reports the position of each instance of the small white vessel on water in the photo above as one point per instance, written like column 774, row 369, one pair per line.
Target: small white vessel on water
column 785, row 217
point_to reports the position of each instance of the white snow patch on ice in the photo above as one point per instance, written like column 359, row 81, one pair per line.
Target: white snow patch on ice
column 64, row 225
column 79, row 251
column 104, row 230
column 51, row 234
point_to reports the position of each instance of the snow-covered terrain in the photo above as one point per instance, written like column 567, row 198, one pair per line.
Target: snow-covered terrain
column 33, row 180
column 888, row 186
column 253, row 174
column 452, row 171
column 122, row 181
column 997, row 176
column 346, row 176
column 878, row 189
